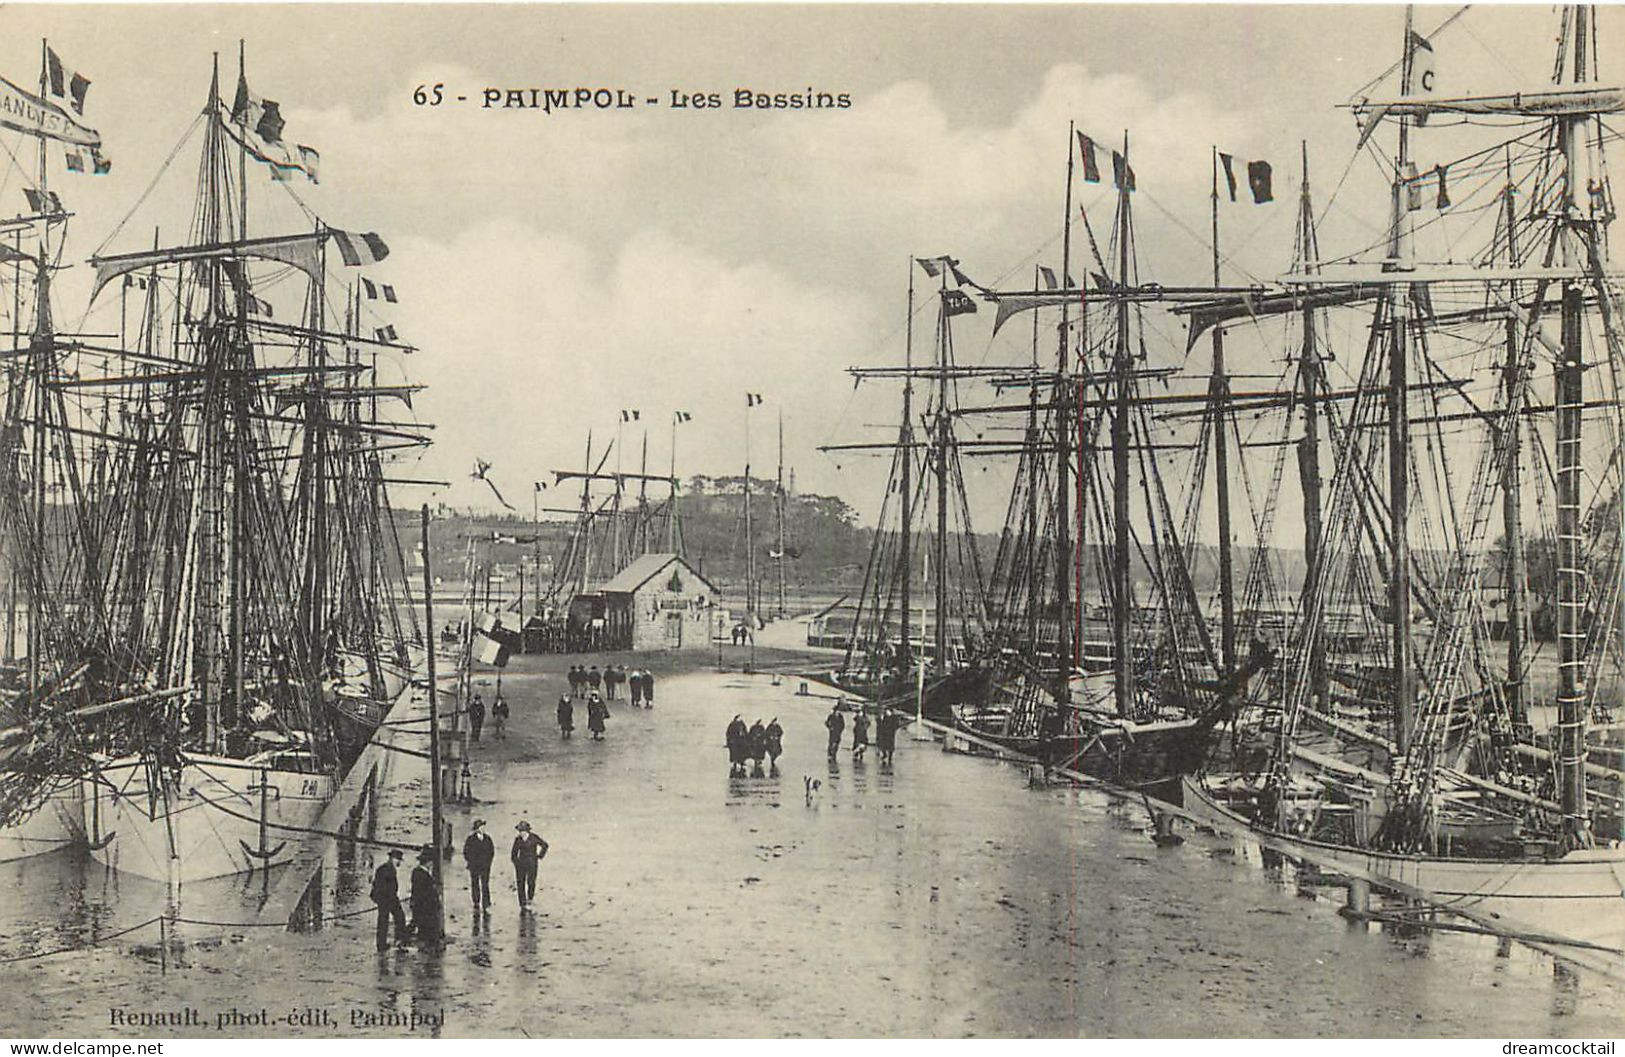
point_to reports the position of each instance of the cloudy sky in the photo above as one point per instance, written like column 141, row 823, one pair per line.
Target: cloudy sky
column 556, row 268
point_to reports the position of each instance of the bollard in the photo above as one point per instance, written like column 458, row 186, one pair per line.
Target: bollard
column 801, row 691
column 1357, row 906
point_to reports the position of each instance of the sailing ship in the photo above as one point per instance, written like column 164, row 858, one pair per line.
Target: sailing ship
column 1429, row 775
column 232, row 611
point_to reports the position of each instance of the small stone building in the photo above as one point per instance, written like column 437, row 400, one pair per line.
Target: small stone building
column 659, row 602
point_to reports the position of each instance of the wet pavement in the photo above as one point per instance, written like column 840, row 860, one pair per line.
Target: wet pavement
column 938, row 897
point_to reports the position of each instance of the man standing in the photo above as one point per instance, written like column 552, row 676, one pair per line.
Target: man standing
column 836, row 723
column 648, row 689
column 476, row 716
column 478, row 852
column 386, row 893
column 425, row 901
column 566, row 713
column 499, row 716
column 775, row 745
column 634, row 683
column 528, row 850
column 737, row 753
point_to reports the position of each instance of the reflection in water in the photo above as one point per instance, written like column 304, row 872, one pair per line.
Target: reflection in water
column 527, row 932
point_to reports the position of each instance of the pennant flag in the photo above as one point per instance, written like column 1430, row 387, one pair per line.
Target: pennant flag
column 1225, row 160
column 1122, row 175
column 1443, row 201
column 957, row 303
column 1423, row 72
column 100, row 164
column 629, row 416
column 65, row 84
column 1048, row 275
column 481, row 469
column 139, row 282
column 42, row 201
column 683, row 416
column 1258, row 181
column 384, row 333
column 256, row 306
column 1091, row 167
column 366, row 248
column 538, row 486
column 259, row 129
column 752, row 399
column 26, row 112
column 75, row 160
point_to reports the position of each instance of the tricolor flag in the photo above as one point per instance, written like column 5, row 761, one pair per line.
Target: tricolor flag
column 42, row 201
column 1091, row 167
column 64, row 83
column 365, row 248
column 752, row 399
column 374, row 291
column 259, row 129
column 629, row 416
column 75, row 159
column 1122, row 174
column 384, row 333
column 683, row 416
column 1259, row 178
column 538, row 486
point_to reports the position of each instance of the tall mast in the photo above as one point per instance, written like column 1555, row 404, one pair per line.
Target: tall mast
column 643, row 496
column 782, row 557
column 584, row 530
column 1219, row 399
column 1572, row 588
column 1122, row 665
column 1063, row 459
column 40, row 356
column 1513, row 381
column 905, row 448
column 1399, row 499
column 750, row 539
column 1031, row 530
column 1310, row 385
column 940, row 451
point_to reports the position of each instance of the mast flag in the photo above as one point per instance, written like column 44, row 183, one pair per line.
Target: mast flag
column 1423, row 71
column 1260, row 178
column 365, row 248
column 65, row 83
column 1091, row 167
column 376, row 290
column 23, row 111
column 260, row 124
column 1122, row 174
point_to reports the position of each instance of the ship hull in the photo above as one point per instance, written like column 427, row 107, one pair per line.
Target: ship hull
column 1578, row 897
column 58, row 823
column 1141, row 755
column 215, row 818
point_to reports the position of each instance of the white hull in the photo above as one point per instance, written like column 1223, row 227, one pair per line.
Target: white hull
column 57, row 824
column 1578, row 897
column 210, row 824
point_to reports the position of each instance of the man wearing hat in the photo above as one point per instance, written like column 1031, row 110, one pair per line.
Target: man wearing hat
column 425, row 900
column 528, row 850
column 386, row 893
column 478, row 852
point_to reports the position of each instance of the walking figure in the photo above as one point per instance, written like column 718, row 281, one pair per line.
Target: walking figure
column 860, row 733
column 499, row 717
column 566, row 716
column 648, row 689
column 597, row 712
column 575, row 680
column 736, row 738
column 634, row 683
column 425, row 924
column 386, row 894
column 886, row 735
column 476, row 717
column 775, row 745
column 757, row 740
column 836, row 724
column 595, row 678
column 478, row 852
column 528, row 850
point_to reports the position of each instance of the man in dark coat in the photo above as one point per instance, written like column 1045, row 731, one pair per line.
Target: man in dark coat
column 860, row 733
column 634, row 686
column 648, row 689
column 386, row 893
column 836, row 724
column 528, row 850
column 566, row 715
column 597, row 712
column 478, row 852
column 425, row 901
column 775, row 744
column 736, row 737
column 756, row 739
column 575, row 680
column 499, row 716
column 476, row 716
column 595, row 679
column 886, row 735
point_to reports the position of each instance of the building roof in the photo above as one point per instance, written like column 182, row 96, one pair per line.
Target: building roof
column 646, row 568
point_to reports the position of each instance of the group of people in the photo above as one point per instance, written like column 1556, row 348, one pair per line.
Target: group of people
column 749, row 745
column 597, row 714
column 499, row 716
column 479, row 851
column 886, row 724
column 585, row 682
